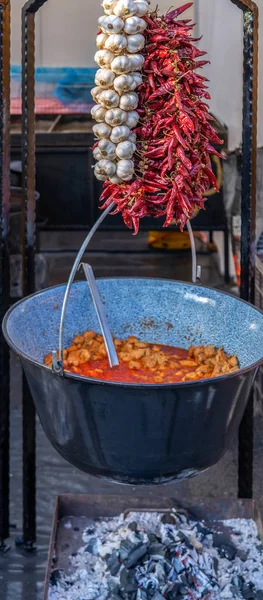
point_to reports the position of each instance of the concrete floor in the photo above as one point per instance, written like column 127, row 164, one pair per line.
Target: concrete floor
column 22, row 575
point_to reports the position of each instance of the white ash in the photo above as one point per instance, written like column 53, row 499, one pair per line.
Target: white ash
column 218, row 574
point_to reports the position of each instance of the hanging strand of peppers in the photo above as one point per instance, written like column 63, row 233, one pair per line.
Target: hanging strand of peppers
column 155, row 143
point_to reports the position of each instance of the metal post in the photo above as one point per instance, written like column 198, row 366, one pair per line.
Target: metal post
column 4, row 264
column 28, row 258
column 248, row 216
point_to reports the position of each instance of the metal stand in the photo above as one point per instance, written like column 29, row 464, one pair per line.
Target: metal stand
column 4, row 265
column 250, row 12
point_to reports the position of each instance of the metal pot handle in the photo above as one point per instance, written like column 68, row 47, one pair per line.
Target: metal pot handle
column 57, row 360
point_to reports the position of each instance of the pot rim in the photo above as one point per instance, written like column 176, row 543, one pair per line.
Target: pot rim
column 176, row 385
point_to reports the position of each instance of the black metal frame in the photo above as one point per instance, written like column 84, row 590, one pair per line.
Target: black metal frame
column 4, row 264
column 245, row 472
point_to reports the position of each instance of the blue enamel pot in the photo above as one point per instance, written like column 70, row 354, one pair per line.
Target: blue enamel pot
column 139, row 434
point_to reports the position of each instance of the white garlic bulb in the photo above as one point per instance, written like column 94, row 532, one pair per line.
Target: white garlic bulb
column 107, row 149
column 120, row 134
column 134, row 25
column 125, row 8
column 121, row 64
column 123, row 83
column 104, row 169
column 104, row 78
column 128, row 101
column 136, row 62
column 108, row 6
column 111, row 24
column 116, row 180
column 115, row 116
column 125, row 169
column 104, row 58
column 137, row 79
column 97, row 153
column 135, row 42
column 95, row 92
column 109, row 99
column 142, row 8
column 125, row 150
column 132, row 119
column 100, row 40
column 102, row 130
column 98, row 113
column 116, row 43
column 132, row 138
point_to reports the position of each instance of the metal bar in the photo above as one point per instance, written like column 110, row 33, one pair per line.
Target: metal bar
column 4, row 264
column 58, row 364
column 248, row 217
column 28, row 230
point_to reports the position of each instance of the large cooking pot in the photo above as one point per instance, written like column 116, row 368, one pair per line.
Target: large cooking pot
column 139, row 433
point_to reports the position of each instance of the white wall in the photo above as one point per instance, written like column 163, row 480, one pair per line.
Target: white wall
column 65, row 31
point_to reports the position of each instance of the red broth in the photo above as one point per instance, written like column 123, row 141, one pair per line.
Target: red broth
column 141, row 362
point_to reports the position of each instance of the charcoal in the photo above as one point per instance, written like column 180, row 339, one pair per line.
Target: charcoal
column 136, row 555
column 156, row 550
column 126, row 546
column 56, row 576
column 152, row 538
column 133, row 526
column 113, row 563
column 225, row 548
column 128, row 580
column 157, row 596
column 92, row 546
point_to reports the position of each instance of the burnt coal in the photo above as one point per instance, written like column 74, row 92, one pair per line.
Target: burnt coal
column 179, row 561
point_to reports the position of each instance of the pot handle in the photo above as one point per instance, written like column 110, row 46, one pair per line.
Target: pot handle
column 58, row 358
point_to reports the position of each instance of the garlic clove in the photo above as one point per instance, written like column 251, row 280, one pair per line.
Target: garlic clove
column 123, row 83
column 108, row 6
column 125, row 8
column 109, row 99
column 128, row 101
column 102, row 130
column 135, row 42
column 104, row 169
column 97, row 153
column 137, row 79
column 120, row 134
column 116, row 180
column 95, row 92
column 142, row 8
column 107, row 149
column 100, row 40
column 115, row 117
column 125, row 169
column 104, row 78
column 111, row 24
column 121, row 64
column 132, row 138
column 134, row 25
column 104, row 58
column 136, row 62
column 116, row 43
column 125, row 150
column 98, row 113
column 132, row 119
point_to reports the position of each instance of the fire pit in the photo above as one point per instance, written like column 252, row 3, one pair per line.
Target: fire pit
column 135, row 433
column 156, row 549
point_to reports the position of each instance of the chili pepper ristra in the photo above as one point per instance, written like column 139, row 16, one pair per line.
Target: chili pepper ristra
column 154, row 143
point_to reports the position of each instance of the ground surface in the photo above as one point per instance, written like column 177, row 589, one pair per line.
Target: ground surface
column 22, row 576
